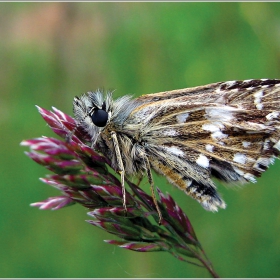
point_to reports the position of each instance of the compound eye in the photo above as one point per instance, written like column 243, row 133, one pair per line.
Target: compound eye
column 99, row 117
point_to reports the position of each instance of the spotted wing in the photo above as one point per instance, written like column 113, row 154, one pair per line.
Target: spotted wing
column 227, row 130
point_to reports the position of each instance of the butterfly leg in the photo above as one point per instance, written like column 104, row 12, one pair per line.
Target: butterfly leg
column 139, row 180
column 120, row 165
column 150, row 179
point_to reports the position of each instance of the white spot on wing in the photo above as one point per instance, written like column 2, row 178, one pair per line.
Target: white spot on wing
column 273, row 115
column 174, row 150
column 213, row 127
column 258, row 94
column 209, row 148
column 265, row 161
column 203, row 161
column 182, row 117
column 266, row 144
column 170, row 132
column 246, row 144
column 219, row 135
column 258, row 99
column 256, row 127
column 224, row 114
column 188, row 183
column 240, row 158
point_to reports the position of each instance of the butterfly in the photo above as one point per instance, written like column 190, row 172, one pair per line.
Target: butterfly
column 226, row 130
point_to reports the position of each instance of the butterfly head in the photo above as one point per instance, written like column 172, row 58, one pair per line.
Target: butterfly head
column 92, row 112
column 95, row 106
column 99, row 116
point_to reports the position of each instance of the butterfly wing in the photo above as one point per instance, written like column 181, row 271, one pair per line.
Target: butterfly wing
column 227, row 130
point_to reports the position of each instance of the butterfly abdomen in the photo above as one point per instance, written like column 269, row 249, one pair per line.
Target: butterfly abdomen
column 205, row 193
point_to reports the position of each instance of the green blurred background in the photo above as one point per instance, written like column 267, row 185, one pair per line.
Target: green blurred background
column 51, row 52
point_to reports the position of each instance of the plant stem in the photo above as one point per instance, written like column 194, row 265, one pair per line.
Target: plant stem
column 209, row 267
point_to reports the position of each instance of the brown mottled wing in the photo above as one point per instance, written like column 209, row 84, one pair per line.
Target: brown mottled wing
column 228, row 130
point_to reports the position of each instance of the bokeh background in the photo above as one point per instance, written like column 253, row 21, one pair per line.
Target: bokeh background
column 51, row 52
